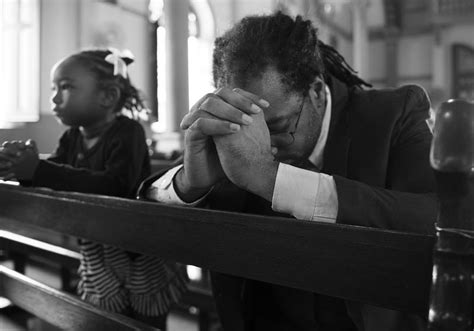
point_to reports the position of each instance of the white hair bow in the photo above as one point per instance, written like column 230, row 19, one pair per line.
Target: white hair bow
column 116, row 58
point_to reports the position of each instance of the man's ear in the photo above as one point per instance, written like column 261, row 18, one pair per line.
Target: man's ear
column 110, row 96
column 317, row 93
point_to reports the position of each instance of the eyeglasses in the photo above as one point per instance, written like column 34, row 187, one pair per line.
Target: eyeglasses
column 295, row 127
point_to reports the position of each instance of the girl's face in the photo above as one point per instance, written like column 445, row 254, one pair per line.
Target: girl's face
column 76, row 97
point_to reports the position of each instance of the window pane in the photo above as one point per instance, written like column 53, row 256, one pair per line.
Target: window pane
column 27, row 11
column 19, row 61
column 10, row 65
column 10, row 12
column 28, row 79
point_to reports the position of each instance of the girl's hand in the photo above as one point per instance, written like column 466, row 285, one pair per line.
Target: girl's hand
column 6, row 172
column 18, row 160
column 7, row 158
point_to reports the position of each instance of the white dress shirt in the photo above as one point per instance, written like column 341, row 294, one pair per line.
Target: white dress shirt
column 305, row 194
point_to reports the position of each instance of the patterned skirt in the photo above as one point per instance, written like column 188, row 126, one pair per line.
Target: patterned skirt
column 117, row 280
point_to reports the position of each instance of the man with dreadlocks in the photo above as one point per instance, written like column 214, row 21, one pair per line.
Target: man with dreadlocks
column 291, row 131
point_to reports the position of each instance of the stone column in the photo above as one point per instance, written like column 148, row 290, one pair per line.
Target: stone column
column 360, row 38
column 391, row 56
column 177, row 90
column 438, row 66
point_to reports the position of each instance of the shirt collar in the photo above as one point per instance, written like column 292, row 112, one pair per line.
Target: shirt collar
column 316, row 156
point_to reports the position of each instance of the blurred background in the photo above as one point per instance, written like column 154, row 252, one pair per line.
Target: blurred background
column 389, row 42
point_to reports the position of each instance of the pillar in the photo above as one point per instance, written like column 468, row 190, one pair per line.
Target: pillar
column 360, row 38
column 177, row 90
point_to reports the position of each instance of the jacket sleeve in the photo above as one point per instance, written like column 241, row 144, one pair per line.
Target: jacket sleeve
column 123, row 169
column 145, row 185
column 408, row 202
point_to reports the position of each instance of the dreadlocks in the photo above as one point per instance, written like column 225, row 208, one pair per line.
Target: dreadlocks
column 336, row 65
column 257, row 42
column 290, row 45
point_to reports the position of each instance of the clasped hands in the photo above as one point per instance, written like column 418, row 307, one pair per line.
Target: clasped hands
column 226, row 136
column 18, row 159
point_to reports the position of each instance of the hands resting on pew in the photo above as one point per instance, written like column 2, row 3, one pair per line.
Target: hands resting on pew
column 18, row 160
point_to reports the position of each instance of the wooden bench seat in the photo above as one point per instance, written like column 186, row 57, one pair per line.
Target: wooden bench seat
column 22, row 250
column 60, row 309
column 19, row 244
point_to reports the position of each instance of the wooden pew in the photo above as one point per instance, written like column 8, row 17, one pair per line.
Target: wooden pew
column 383, row 268
column 60, row 309
column 23, row 249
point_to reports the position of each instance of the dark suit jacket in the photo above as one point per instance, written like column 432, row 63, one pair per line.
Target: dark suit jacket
column 378, row 152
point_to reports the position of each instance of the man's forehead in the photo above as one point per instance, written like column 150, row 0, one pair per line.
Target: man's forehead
column 270, row 86
column 269, row 82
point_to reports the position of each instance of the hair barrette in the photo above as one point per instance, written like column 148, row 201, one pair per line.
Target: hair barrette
column 116, row 58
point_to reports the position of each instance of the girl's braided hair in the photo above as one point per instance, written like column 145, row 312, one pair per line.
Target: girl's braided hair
column 290, row 45
column 130, row 97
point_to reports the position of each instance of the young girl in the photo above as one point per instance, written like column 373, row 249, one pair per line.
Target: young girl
column 103, row 152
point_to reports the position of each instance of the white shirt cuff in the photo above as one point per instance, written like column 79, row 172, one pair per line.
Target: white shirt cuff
column 162, row 190
column 305, row 194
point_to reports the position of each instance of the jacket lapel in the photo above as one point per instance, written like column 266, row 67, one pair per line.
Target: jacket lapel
column 337, row 147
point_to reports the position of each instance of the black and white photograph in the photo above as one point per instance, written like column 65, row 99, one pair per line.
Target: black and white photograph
column 237, row 165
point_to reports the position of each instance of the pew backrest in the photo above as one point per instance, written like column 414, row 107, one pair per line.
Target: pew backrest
column 383, row 268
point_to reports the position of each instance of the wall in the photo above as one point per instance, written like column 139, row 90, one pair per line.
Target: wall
column 226, row 12
column 377, row 70
column 461, row 34
column 122, row 26
column 425, row 59
column 414, row 59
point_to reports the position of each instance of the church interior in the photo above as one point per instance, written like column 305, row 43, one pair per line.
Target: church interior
column 388, row 43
